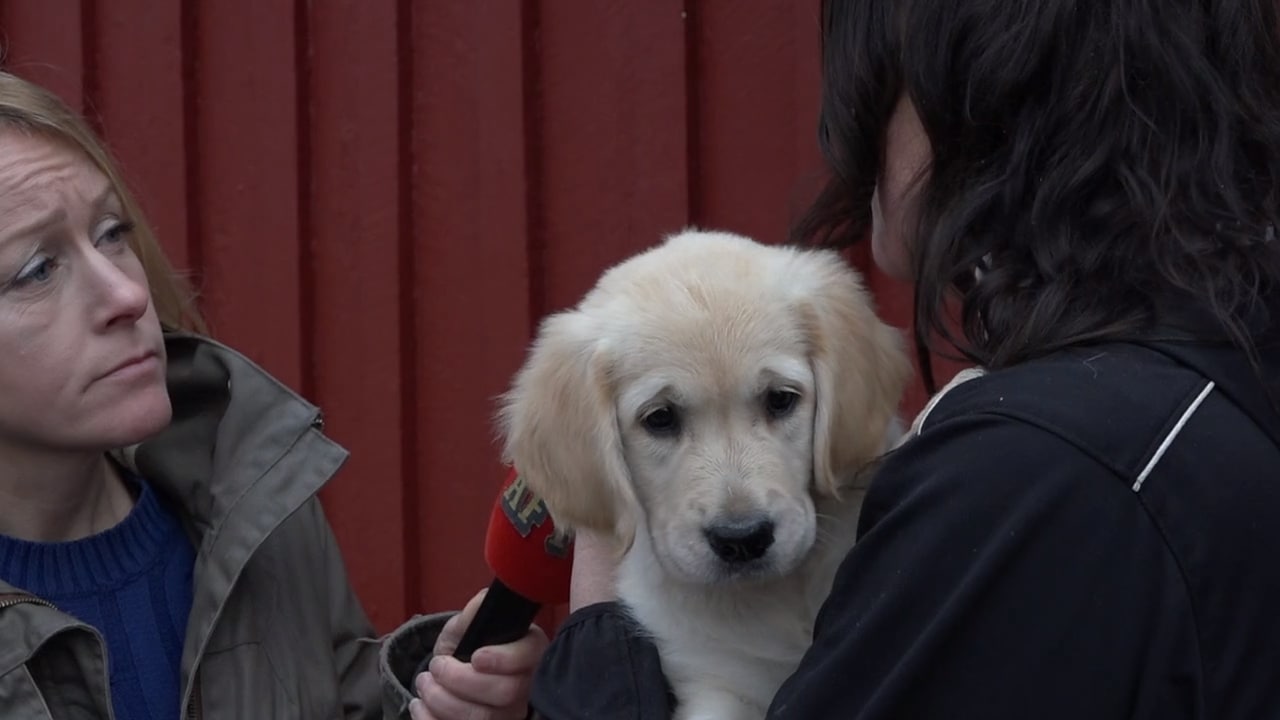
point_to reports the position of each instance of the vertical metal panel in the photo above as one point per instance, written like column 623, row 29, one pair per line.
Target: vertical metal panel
column 140, row 100
column 612, row 136
column 756, row 97
column 45, row 42
column 470, row 266
column 352, row 234
column 380, row 199
column 248, row 202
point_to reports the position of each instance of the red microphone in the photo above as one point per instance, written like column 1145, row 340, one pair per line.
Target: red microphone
column 531, row 564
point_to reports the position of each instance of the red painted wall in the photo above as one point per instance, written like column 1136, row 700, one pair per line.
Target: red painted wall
column 379, row 199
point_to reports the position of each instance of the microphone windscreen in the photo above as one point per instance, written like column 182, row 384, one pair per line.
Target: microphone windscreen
column 522, row 548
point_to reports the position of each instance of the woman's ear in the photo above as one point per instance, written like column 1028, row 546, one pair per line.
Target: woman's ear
column 860, row 368
column 561, row 430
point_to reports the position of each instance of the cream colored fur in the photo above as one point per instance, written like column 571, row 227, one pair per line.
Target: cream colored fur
column 714, row 330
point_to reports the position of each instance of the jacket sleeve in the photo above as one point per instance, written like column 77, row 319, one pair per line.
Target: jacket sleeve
column 355, row 643
column 600, row 667
column 1000, row 573
column 405, row 651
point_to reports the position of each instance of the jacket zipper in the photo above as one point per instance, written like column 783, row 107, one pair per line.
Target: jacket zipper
column 10, row 599
column 193, row 705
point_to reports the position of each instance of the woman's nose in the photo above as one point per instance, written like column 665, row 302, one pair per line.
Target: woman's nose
column 121, row 297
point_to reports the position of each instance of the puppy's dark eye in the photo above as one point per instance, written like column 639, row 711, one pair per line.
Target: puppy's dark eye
column 778, row 403
column 661, row 421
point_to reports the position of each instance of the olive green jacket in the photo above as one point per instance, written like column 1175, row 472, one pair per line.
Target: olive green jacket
column 275, row 631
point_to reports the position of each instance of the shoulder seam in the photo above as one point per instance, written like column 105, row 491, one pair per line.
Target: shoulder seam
column 1134, row 467
column 1176, row 559
column 1049, row 428
column 1153, row 522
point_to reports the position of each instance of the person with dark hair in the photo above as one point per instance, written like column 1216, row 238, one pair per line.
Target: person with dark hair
column 1085, row 197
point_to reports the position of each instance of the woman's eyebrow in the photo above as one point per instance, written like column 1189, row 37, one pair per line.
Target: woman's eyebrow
column 106, row 196
column 55, row 216
column 36, row 225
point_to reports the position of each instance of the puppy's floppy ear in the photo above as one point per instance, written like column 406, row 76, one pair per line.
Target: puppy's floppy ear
column 561, row 430
column 860, row 367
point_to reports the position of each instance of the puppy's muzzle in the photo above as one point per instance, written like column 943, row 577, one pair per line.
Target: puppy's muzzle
column 739, row 540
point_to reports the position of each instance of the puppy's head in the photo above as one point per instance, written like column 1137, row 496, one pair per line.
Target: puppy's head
column 702, row 393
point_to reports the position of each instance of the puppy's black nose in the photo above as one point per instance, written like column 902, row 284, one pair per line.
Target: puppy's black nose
column 740, row 540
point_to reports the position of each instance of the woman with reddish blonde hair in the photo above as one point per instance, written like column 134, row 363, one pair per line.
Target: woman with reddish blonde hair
column 163, row 551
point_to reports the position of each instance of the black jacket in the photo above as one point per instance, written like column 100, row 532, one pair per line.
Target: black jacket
column 1091, row 535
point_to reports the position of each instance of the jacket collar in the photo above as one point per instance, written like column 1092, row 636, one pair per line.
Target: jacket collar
column 1255, row 389
column 242, row 453
column 1191, row 335
column 232, row 423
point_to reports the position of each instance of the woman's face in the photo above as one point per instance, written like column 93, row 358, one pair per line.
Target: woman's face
column 82, row 364
column 893, row 213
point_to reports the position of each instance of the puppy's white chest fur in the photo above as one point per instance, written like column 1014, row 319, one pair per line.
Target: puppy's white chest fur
column 726, row 650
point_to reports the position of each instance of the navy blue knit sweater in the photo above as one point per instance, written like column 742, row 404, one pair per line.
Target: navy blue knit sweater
column 133, row 584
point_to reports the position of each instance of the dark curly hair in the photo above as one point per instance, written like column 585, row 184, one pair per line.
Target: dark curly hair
column 1107, row 163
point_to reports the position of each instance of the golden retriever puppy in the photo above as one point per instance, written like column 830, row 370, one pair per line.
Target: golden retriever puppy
column 711, row 405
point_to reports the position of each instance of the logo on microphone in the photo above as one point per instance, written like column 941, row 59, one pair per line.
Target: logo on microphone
column 524, row 509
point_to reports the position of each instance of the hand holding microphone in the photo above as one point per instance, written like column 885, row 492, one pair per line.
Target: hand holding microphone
column 532, row 566
column 495, row 684
column 531, row 563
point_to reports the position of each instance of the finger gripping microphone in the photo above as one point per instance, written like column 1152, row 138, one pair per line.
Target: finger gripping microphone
column 531, row 566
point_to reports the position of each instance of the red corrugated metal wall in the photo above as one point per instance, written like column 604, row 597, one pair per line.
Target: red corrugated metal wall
column 378, row 200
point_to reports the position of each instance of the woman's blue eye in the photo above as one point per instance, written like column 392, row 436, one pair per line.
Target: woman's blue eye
column 40, row 268
column 116, row 232
column 37, row 271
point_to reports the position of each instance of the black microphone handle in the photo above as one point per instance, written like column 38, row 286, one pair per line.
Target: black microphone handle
column 504, row 616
